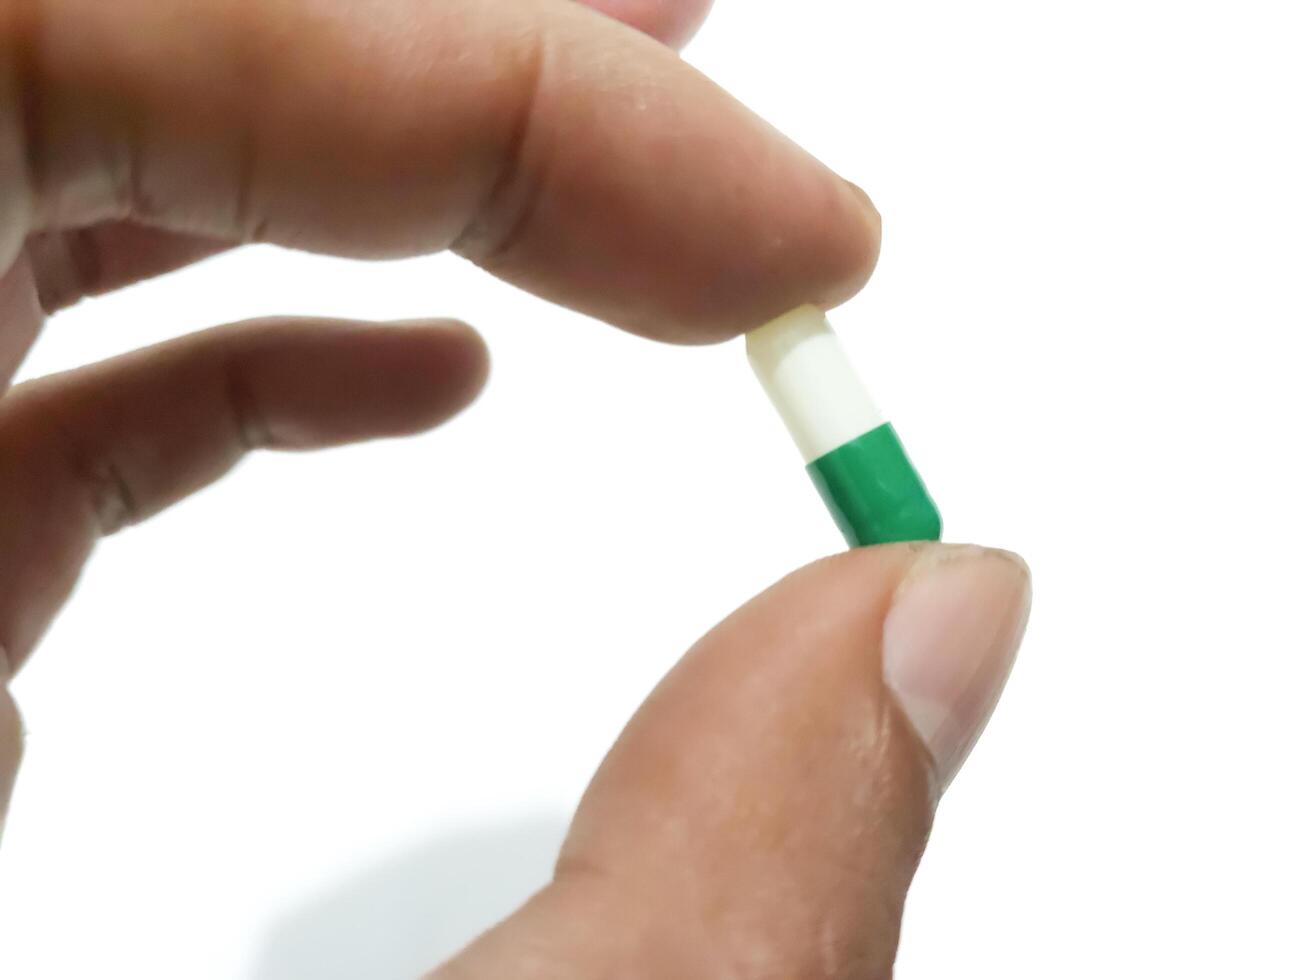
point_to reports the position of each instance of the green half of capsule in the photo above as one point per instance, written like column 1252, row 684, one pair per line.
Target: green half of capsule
column 874, row 492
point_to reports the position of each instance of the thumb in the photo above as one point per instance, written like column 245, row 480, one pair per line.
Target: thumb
column 764, row 813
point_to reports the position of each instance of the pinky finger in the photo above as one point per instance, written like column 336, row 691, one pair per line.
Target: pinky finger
column 85, row 453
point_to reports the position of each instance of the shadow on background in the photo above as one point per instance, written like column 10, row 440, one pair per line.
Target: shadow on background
column 401, row 919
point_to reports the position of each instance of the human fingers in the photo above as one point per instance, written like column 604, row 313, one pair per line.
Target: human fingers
column 764, row 812
column 77, row 263
column 563, row 152
column 84, row 453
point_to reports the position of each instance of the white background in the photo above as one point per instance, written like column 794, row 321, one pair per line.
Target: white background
column 328, row 719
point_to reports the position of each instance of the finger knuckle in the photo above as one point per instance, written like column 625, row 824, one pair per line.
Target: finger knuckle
column 506, row 210
column 37, row 429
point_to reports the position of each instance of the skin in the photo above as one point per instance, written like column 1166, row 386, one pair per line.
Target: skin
column 566, row 153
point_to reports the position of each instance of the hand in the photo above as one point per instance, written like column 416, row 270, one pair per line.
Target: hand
column 763, row 814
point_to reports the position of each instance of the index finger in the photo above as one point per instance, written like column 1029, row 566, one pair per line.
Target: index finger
column 562, row 151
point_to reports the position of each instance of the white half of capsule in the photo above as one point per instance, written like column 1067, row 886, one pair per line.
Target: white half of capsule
column 808, row 377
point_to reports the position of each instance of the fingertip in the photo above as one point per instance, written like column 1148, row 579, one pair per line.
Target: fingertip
column 330, row 383
column 674, row 22
column 950, row 642
column 818, row 245
column 849, row 246
column 414, row 375
column 871, row 241
column 447, row 361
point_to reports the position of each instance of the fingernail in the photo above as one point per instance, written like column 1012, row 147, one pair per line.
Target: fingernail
column 950, row 639
column 862, row 196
